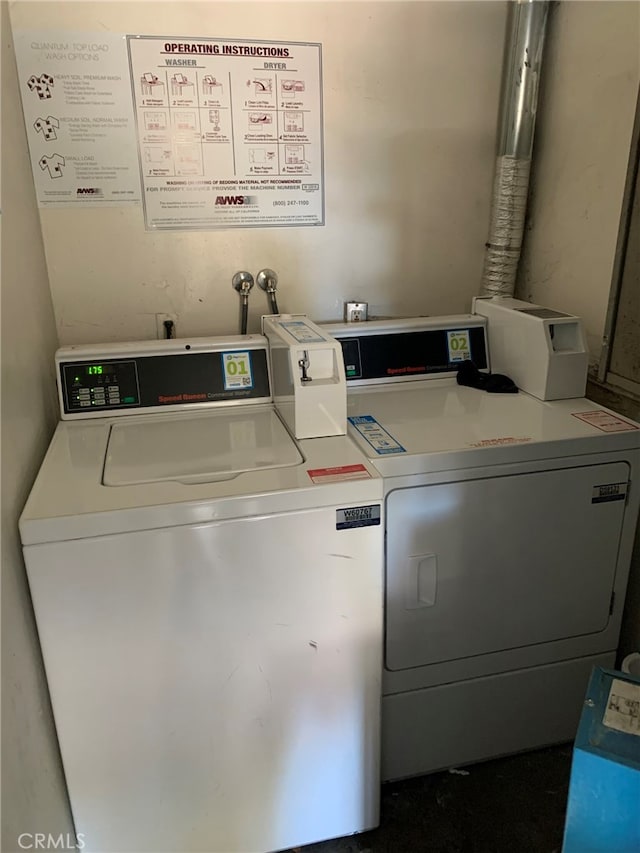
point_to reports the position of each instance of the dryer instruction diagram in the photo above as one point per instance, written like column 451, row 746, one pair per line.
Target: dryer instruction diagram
column 229, row 133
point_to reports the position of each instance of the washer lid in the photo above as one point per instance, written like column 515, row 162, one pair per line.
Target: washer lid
column 192, row 449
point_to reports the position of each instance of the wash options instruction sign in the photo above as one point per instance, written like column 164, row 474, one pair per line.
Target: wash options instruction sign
column 229, row 133
column 76, row 100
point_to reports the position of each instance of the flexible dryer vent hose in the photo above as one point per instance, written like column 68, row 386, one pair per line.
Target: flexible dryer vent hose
column 506, row 229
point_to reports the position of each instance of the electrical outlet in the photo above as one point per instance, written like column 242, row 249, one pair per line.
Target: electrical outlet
column 161, row 332
column 356, row 312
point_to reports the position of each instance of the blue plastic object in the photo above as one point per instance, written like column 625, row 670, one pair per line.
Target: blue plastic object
column 603, row 812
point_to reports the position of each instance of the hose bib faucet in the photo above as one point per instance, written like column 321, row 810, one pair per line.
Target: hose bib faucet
column 243, row 282
column 268, row 281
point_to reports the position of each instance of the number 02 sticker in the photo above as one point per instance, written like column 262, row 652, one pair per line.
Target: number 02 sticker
column 236, row 367
column 459, row 345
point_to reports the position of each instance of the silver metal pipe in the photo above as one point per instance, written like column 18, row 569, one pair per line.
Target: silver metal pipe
column 521, row 77
column 519, row 101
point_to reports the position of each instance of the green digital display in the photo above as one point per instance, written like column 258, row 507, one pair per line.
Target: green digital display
column 95, row 369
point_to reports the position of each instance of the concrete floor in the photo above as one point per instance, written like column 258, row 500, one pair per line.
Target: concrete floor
column 510, row 805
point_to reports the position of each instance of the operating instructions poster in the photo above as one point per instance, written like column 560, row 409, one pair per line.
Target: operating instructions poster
column 229, row 132
column 76, row 101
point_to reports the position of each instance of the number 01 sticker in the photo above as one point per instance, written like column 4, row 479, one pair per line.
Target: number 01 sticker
column 459, row 345
column 236, row 367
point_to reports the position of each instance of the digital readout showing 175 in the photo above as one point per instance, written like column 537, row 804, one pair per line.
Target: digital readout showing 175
column 90, row 370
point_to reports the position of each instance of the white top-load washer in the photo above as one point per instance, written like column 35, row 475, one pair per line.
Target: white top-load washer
column 208, row 596
column 509, row 529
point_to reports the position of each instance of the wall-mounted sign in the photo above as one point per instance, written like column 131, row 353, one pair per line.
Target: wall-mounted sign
column 229, row 132
column 76, row 100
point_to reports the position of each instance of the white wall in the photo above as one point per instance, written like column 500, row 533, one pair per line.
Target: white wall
column 585, row 121
column 411, row 92
column 33, row 792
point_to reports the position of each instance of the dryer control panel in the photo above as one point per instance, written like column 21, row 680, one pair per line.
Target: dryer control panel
column 414, row 348
column 117, row 378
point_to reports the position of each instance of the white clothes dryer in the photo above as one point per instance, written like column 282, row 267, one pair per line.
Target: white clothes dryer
column 509, row 528
column 208, row 596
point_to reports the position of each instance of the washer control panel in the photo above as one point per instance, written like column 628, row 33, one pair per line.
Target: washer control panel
column 116, row 379
column 105, row 385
